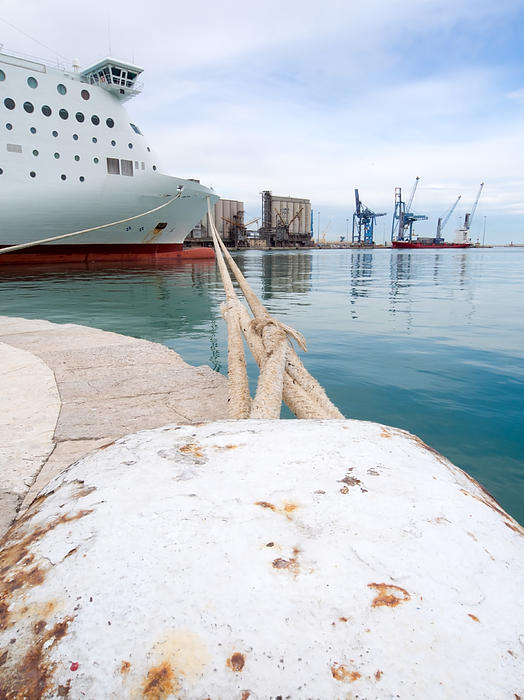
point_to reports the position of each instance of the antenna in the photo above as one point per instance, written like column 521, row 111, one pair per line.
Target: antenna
column 109, row 37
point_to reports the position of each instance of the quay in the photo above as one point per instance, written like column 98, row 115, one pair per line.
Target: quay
column 251, row 559
column 69, row 389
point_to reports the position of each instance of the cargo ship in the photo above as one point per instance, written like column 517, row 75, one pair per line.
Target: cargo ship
column 429, row 243
column 72, row 159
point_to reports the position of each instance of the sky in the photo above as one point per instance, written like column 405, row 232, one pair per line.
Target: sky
column 314, row 99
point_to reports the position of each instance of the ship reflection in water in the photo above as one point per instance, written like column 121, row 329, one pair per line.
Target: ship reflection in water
column 430, row 341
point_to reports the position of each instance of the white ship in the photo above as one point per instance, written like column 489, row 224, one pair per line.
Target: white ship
column 72, row 159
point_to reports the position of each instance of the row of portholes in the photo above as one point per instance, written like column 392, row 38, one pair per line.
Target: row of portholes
column 29, row 107
column 63, row 176
column 36, row 153
column 9, row 127
column 60, row 88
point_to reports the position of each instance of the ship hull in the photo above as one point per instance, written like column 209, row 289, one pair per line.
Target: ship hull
column 403, row 245
column 106, row 252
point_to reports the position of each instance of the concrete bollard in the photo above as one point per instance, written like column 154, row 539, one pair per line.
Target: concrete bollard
column 263, row 559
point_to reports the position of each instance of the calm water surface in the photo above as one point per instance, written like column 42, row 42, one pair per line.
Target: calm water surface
column 432, row 342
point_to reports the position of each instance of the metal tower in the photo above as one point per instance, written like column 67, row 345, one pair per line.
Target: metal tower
column 403, row 217
column 442, row 221
column 363, row 223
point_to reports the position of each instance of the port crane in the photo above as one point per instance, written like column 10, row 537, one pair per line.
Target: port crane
column 363, row 222
column 237, row 229
column 463, row 232
column 403, row 217
column 442, row 221
column 283, row 225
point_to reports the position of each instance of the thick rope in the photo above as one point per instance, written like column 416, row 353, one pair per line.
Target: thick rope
column 12, row 248
column 282, row 374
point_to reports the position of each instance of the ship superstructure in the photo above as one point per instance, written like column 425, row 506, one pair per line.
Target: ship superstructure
column 71, row 159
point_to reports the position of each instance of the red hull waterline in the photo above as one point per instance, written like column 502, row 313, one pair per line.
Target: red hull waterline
column 130, row 253
column 414, row 244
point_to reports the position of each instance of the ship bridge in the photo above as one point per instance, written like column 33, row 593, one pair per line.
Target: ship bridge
column 117, row 77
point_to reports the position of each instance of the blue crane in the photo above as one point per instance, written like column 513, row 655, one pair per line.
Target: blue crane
column 363, row 223
column 403, row 217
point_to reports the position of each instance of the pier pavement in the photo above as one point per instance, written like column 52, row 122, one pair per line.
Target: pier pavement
column 68, row 389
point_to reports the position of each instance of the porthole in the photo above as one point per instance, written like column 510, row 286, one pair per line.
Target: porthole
column 61, row 89
column 110, row 123
column 1, row 171
column 130, row 145
column 79, row 117
column 95, row 120
column 94, row 139
column 35, row 152
column 9, row 103
column 32, row 130
column 8, row 126
column 55, row 133
column 46, row 110
column 154, row 167
column 2, row 75
column 148, row 149
column 75, row 137
column 64, row 114
column 63, row 177
column 57, row 155
column 29, row 108
column 113, row 143
column 77, row 158
column 32, row 173
column 85, row 95
column 32, row 82
column 95, row 160
column 81, row 178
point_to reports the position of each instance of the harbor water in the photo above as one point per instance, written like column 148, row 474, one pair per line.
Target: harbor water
column 429, row 341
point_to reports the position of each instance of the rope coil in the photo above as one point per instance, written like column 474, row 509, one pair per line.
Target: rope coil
column 282, row 374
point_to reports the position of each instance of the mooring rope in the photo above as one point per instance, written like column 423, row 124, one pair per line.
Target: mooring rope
column 282, row 374
column 12, row 248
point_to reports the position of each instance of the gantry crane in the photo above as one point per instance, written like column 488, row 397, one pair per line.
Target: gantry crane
column 442, row 221
column 403, row 217
column 363, row 223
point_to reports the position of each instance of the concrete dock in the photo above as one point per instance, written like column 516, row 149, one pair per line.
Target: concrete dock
column 67, row 389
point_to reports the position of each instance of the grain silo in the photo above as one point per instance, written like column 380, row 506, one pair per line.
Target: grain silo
column 286, row 221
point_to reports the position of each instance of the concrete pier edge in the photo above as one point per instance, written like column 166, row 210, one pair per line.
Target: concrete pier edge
column 67, row 389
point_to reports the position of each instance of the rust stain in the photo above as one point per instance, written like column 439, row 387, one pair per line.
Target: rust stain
column 104, row 447
column 191, row 449
column 282, row 563
column 160, row 682
column 378, row 675
column 341, row 673
column 287, row 509
column 17, row 570
column 343, row 619
column 31, row 677
column 236, row 662
column 265, row 504
column 344, row 490
column 385, row 433
column 270, row 544
column 510, row 652
column 388, row 595
column 85, row 491
column 125, row 667
column 3, row 657
column 63, row 690
column 350, row 480
column 245, row 694
column 473, row 617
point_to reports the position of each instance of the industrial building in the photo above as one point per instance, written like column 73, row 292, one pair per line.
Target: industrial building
column 229, row 220
column 286, row 221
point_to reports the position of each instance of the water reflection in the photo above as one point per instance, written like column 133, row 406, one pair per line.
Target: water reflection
column 286, row 273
